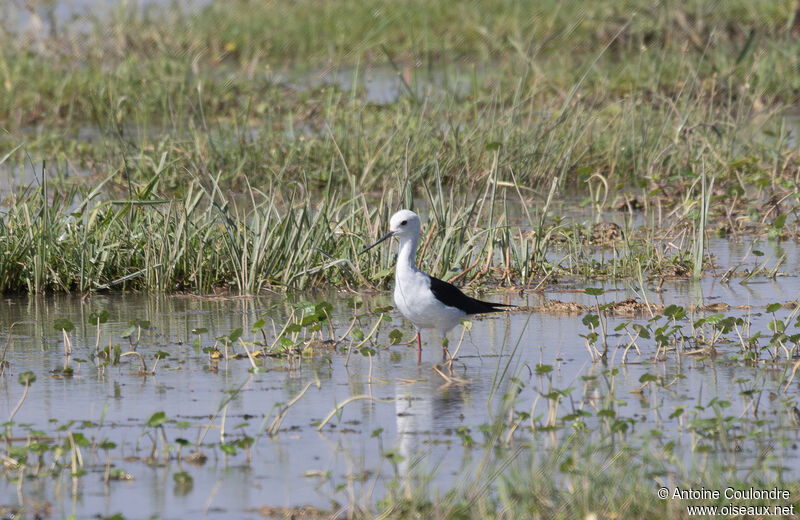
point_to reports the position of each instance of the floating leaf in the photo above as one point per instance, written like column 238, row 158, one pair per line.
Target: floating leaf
column 619, row 426
column 776, row 326
column 593, row 291
column 157, row 419
column 145, row 324
column 294, row 327
column 676, row 312
column 80, row 439
column 591, row 320
column 310, row 319
column 182, row 478
column 107, row 445
column 643, row 331
column 245, row 442
column 395, row 336
column 230, row 449
column 26, row 378
column 647, row 378
column 99, row 316
column 714, row 319
column 305, row 306
column 63, row 324
column 726, row 324
column 323, row 307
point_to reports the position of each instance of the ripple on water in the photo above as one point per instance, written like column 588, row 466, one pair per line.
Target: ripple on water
column 415, row 413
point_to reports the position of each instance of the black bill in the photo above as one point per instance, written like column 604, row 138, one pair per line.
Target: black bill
column 384, row 237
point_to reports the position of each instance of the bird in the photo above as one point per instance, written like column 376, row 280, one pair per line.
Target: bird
column 425, row 301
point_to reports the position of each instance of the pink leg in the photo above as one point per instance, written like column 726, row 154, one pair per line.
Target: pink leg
column 419, row 349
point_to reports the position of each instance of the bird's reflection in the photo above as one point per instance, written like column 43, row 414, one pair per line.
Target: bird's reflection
column 426, row 410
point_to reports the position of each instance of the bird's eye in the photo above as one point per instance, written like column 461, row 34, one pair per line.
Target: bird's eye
column 403, row 223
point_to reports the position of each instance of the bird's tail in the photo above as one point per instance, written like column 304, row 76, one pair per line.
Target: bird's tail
column 497, row 307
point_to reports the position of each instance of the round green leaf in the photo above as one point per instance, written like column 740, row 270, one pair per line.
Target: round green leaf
column 26, row 378
column 63, row 324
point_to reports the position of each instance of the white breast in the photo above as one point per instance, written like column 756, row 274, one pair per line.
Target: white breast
column 413, row 297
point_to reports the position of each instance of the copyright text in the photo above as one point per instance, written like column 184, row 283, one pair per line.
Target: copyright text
column 740, row 496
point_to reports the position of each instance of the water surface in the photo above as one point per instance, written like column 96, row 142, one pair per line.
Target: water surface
column 408, row 421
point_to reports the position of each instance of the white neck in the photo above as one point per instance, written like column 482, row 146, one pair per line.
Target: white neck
column 406, row 256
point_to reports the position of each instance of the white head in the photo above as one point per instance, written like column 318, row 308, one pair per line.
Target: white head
column 404, row 225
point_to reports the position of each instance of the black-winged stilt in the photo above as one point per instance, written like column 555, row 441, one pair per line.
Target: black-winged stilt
column 427, row 302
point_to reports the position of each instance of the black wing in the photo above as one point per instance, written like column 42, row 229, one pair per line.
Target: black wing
column 452, row 296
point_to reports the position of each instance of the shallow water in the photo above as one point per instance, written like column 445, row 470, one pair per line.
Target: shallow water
column 20, row 177
column 40, row 17
column 413, row 411
column 384, row 84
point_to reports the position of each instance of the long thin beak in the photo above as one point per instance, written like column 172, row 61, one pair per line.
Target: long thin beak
column 384, row 237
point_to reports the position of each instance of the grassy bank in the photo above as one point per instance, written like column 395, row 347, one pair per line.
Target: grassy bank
column 633, row 93
column 624, row 104
column 76, row 240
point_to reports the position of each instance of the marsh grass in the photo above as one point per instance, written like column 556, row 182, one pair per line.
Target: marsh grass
column 68, row 240
column 59, row 238
column 219, row 147
column 637, row 95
